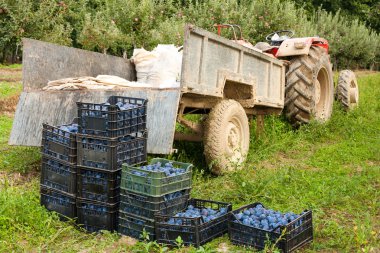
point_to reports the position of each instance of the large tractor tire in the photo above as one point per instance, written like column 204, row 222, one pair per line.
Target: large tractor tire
column 347, row 91
column 309, row 89
column 226, row 137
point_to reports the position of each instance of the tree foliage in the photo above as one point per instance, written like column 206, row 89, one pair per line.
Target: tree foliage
column 118, row 26
column 367, row 11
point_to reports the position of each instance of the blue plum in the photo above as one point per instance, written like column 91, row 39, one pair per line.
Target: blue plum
column 266, row 219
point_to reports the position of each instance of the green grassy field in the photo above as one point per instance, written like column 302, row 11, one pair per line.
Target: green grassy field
column 333, row 168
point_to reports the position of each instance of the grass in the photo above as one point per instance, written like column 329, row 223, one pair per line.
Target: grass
column 9, row 89
column 13, row 158
column 332, row 168
column 11, row 66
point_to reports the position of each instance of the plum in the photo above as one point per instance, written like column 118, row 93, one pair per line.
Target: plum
column 266, row 219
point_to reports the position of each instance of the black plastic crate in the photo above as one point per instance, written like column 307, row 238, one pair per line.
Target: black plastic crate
column 96, row 216
column 99, row 185
column 110, row 154
column 147, row 206
column 109, row 120
column 59, row 144
column 59, row 202
column 296, row 234
column 58, row 175
column 134, row 225
column 193, row 231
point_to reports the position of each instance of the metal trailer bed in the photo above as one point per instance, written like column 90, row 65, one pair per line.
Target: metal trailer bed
column 213, row 68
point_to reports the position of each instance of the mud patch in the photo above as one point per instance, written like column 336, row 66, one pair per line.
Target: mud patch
column 8, row 105
column 10, row 75
column 123, row 243
column 16, row 178
column 223, row 248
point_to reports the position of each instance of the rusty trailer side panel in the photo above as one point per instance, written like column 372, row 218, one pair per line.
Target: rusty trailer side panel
column 43, row 62
column 210, row 60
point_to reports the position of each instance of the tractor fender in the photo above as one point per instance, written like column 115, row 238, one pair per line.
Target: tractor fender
column 300, row 46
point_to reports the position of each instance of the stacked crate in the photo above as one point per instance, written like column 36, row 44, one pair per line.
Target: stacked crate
column 110, row 134
column 58, row 169
column 145, row 193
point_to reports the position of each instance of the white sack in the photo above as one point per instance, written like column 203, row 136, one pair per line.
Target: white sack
column 160, row 68
column 166, row 70
column 144, row 61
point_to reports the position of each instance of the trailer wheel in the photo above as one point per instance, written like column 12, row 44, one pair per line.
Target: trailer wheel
column 309, row 90
column 347, row 91
column 226, row 137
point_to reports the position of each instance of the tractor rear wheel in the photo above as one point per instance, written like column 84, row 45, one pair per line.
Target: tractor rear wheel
column 347, row 91
column 226, row 137
column 309, row 89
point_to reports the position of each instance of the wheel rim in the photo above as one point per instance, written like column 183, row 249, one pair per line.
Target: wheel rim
column 317, row 92
column 233, row 142
column 354, row 93
column 322, row 94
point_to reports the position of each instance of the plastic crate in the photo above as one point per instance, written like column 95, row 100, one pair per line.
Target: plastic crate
column 109, row 120
column 156, row 183
column 192, row 230
column 59, row 202
column 295, row 235
column 96, row 216
column 146, row 206
column 110, row 154
column 134, row 225
column 59, row 144
column 99, row 185
column 58, row 175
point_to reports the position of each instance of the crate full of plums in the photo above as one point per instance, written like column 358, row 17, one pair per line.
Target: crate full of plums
column 158, row 178
column 200, row 222
column 119, row 116
column 253, row 225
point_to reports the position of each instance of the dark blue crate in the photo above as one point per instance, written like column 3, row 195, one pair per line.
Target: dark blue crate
column 134, row 225
column 147, row 206
column 99, row 185
column 58, row 175
column 110, row 154
column 108, row 120
column 59, row 144
column 96, row 216
column 59, row 202
column 289, row 238
column 193, row 231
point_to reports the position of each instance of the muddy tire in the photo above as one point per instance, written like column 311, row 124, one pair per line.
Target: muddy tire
column 347, row 90
column 309, row 89
column 226, row 137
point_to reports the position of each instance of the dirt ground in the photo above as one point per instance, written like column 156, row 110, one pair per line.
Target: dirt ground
column 12, row 77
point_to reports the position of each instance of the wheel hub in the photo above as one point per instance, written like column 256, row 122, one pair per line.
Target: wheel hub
column 322, row 94
column 233, row 137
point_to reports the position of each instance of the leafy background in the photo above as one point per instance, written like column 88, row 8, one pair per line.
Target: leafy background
column 117, row 26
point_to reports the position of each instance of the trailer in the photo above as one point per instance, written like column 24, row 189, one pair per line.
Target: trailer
column 226, row 82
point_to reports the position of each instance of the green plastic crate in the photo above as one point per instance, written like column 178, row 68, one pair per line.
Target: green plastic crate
column 156, row 183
